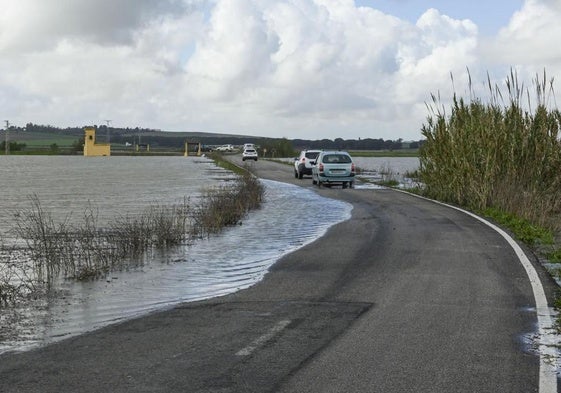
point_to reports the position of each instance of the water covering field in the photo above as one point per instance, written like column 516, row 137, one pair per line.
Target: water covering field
column 232, row 260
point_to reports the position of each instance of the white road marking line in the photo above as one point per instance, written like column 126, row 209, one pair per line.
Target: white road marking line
column 548, row 352
column 261, row 340
column 548, row 340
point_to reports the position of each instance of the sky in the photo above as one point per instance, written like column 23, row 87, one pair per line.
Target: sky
column 307, row 69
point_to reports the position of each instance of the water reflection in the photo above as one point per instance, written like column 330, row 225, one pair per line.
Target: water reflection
column 235, row 259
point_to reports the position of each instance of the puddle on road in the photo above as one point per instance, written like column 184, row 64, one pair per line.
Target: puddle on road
column 237, row 258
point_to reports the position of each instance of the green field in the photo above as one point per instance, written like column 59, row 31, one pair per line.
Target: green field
column 42, row 139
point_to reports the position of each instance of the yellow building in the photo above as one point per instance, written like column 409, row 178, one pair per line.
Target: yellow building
column 197, row 145
column 92, row 149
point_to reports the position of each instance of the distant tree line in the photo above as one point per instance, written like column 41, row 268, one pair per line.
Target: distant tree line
column 14, row 146
column 50, row 129
column 355, row 144
column 79, row 131
column 165, row 139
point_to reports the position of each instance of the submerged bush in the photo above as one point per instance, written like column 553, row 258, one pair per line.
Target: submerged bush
column 496, row 153
column 226, row 205
column 45, row 239
column 85, row 249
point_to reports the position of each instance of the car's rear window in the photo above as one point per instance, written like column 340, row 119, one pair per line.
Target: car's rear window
column 337, row 159
column 312, row 155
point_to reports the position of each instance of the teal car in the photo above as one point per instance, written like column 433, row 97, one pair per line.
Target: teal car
column 334, row 167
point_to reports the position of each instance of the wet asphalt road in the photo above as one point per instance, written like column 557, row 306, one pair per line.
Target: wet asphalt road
column 406, row 296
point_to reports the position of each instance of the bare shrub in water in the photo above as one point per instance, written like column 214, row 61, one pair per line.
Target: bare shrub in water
column 158, row 226
column 389, row 177
column 496, row 154
column 43, row 238
column 226, row 205
column 170, row 224
column 86, row 250
column 15, row 279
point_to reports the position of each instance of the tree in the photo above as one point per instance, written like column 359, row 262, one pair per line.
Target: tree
column 14, row 146
column 78, row 145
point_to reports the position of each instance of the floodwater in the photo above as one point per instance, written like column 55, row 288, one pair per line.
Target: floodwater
column 113, row 185
column 235, row 259
column 396, row 165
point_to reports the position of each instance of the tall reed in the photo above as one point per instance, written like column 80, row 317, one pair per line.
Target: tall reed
column 497, row 153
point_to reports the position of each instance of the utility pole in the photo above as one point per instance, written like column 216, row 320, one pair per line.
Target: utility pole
column 7, row 139
column 108, row 134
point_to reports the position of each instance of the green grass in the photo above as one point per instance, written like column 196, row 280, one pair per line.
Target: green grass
column 221, row 162
column 554, row 256
column 523, row 229
column 41, row 139
column 59, row 141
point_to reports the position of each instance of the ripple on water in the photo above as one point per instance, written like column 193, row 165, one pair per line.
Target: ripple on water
column 237, row 258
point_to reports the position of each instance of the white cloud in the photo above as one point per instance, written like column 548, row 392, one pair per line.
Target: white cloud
column 532, row 35
column 294, row 68
column 528, row 44
column 29, row 25
column 439, row 46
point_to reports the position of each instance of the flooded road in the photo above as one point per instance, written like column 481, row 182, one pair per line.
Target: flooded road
column 235, row 259
column 403, row 289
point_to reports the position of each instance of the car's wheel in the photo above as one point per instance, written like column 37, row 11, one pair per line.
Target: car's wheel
column 314, row 182
column 295, row 174
column 243, row 159
column 319, row 184
column 352, row 184
column 344, row 184
column 300, row 175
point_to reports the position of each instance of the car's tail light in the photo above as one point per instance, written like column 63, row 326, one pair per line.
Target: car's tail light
column 321, row 167
column 353, row 167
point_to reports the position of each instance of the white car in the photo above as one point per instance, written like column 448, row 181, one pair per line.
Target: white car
column 225, row 148
column 334, row 167
column 249, row 154
column 304, row 162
